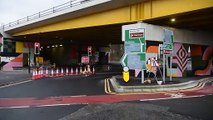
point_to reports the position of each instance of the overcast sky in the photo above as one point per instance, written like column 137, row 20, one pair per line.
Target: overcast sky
column 11, row 10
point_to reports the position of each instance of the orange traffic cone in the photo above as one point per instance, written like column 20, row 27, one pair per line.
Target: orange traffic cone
column 46, row 73
column 52, row 73
column 33, row 76
column 67, row 71
column 85, row 70
column 76, row 71
column 62, row 72
column 89, row 70
column 71, row 71
column 36, row 74
column 57, row 72
column 81, row 71
column 42, row 73
column 93, row 70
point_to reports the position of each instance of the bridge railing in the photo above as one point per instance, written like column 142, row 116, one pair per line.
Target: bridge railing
column 52, row 10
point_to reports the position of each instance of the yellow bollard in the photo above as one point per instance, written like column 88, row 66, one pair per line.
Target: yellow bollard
column 126, row 74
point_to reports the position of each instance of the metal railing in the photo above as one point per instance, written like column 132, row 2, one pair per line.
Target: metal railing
column 52, row 10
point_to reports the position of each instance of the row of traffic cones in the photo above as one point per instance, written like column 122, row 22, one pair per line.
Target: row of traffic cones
column 39, row 73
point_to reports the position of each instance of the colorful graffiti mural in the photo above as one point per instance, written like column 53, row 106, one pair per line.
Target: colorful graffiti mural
column 187, row 59
column 202, row 60
column 179, row 61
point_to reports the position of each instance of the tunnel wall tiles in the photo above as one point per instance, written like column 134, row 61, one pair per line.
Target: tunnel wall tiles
column 187, row 59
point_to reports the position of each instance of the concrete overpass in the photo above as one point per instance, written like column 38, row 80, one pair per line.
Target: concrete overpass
column 106, row 16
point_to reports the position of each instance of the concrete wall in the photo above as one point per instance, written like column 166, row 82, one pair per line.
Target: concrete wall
column 155, row 33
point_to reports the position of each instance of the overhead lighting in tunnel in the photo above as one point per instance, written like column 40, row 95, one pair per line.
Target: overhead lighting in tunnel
column 53, row 46
column 61, row 45
column 172, row 19
column 56, row 45
column 48, row 46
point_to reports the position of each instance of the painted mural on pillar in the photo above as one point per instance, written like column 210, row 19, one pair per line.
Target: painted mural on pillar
column 187, row 59
column 202, row 58
column 180, row 60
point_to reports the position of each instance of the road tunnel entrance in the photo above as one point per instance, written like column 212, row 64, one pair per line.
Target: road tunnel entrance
column 99, row 45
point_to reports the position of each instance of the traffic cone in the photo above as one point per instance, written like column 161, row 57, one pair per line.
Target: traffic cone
column 57, row 72
column 71, row 71
column 76, row 71
column 85, row 70
column 46, row 73
column 89, row 70
column 42, row 73
column 81, row 71
column 93, row 70
column 33, row 76
column 52, row 73
column 36, row 74
column 67, row 72
column 62, row 72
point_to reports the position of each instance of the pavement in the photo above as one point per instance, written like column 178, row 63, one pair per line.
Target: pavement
column 176, row 84
column 11, row 77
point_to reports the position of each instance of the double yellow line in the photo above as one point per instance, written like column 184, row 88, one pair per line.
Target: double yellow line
column 108, row 90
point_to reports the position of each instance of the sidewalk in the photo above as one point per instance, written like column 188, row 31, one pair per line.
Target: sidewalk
column 177, row 84
column 8, row 77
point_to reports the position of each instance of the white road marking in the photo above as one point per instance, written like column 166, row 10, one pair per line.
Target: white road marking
column 168, row 98
column 39, row 106
column 13, row 84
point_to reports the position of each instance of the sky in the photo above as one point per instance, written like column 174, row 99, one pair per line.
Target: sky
column 12, row 10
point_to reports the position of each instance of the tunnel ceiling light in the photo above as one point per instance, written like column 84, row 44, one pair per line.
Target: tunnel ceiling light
column 48, row 46
column 56, row 45
column 172, row 19
column 60, row 45
column 53, row 46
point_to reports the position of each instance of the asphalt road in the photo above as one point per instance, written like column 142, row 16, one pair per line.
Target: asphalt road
column 198, row 108
column 38, row 113
column 171, row 109
column 61, row 86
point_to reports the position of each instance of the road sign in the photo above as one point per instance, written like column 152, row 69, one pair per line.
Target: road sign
column 85, row 59
column 134, row 61
column 134, row 56
column 168, row 41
